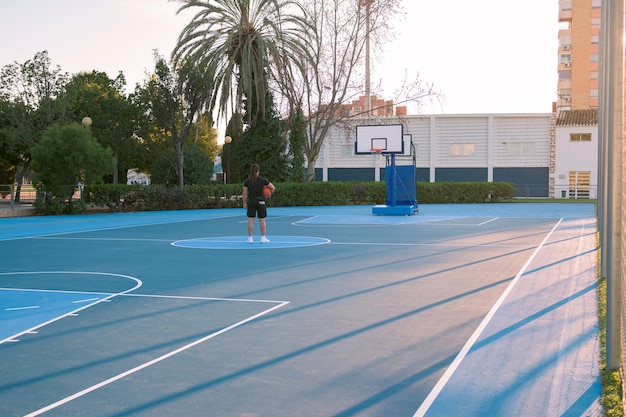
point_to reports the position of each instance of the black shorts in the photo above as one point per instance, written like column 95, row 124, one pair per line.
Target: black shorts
column 257, row 208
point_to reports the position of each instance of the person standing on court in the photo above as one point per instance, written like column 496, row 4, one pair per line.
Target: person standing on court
column 254, row 202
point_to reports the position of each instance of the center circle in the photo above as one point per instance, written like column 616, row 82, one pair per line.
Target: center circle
column 240, row 242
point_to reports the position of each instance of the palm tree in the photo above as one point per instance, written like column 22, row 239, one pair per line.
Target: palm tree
column 245, row 43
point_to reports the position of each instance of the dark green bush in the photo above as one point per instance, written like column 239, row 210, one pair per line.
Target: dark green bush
column 55, row 205
column 159, row 197
column 464, row 192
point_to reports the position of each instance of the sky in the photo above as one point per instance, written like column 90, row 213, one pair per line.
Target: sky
column 483, row 56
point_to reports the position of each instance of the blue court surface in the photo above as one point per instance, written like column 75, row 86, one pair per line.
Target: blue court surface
column 459, row 310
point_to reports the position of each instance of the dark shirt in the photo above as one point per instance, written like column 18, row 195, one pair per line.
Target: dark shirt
column 255, row 191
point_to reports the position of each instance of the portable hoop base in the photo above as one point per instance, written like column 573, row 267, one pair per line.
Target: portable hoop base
column 401, row 210
column 406, row 205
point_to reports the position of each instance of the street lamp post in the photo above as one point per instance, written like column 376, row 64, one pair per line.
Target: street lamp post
column 368, row 98
column 227, row 141
column 87, row 123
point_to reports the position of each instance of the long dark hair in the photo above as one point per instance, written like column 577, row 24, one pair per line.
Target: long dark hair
column 254, row 173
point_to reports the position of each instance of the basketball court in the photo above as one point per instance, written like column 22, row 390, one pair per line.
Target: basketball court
column 486, row 309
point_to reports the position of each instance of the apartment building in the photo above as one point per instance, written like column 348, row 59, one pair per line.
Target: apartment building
column 574, row 140
column 378, row 108
column 579, row 54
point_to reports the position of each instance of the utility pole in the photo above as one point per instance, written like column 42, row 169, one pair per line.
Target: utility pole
column 368, row 99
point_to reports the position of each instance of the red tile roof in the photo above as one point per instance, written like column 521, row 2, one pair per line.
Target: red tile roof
column 584, row 117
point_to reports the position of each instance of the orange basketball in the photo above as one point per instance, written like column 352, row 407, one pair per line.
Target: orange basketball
column 267, row 192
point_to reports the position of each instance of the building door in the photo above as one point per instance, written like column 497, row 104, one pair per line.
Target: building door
column 579, row 184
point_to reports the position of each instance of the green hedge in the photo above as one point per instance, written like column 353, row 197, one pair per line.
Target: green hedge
column 465, row 192
column 121, row 197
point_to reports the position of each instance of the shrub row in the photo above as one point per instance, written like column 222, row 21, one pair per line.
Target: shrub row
column 465, row 192
column 124, row 198
column 121, row 197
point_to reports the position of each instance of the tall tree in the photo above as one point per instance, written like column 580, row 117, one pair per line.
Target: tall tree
column 335, row 74
column 297, row 140
column 177, row 97
column 34, row 91
column 244, row 42
column 114, row 116
column 262, row 143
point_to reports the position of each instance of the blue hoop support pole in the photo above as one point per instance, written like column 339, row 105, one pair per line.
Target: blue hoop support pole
column 393, row 180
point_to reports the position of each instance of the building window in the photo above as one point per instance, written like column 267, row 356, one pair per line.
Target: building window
column 520, row 148
column 596, row 4
column 593, row 93
column 594, row 75
column 566, row 58
column 565, row 93
column 580, row 137
column 595, row 22
column 594, row 57
column 566, row 5
column 461, row 149
column 595, row 39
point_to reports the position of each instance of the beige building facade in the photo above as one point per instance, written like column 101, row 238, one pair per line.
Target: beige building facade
column 579, row 54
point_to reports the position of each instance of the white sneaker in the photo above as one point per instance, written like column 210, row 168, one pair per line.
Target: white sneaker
column 264, row 239
column 250, row 240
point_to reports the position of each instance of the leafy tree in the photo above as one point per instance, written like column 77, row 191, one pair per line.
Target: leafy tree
column 176, row 97
column 242, row 41
column 204, row 136
column 116, row 119
column 8, row 159
column 297, row 139
column 262, row 143
column 198, row 167
column 33, row 99
column 234, row 129
column 200, row 153
column 67, row 155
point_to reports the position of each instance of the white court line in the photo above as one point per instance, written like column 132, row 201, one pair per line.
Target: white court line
column 182, row 297
column 21, row 308
column 150, row 363
column 379, row 221
column 452, row 245
column 114, row 239
column 108, row 297
column 85, row 300
column 434, row 393
column 99, row 229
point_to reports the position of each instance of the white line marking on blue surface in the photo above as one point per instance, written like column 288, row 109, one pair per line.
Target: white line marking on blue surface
column 138, row 284
column 97, row 239
column 184, row 297
column 127, row 226
column 152, row 362
column 453, row 245
column 434, row 393
column 87, row 300
column 488, row 221
column 21, row 308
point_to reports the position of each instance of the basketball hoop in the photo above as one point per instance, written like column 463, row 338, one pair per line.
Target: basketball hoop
column 376, row 151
